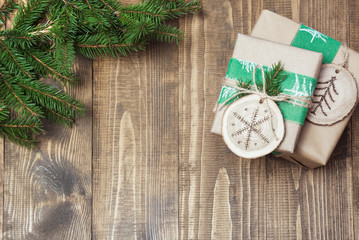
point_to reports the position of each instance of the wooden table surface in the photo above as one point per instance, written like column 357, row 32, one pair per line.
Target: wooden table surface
column 142, row 163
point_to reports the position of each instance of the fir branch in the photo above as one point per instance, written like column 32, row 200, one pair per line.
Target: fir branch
column 44, row 40
column 65, row 56
column 16, row 61
column 107, row 5
column 18, row 126
column 6, row 9
column 64, row 51
column 17, row 40
column 243, row 84
column 21, row 132
column 52, row 93
column 111, row 5
column 22, row 102
column 144, row 27
column 70, row 120
column 168, row 34
column 276, row 70
column 92, row 50
column 177, row 8
column 15, row 37
column 4, row 112
column 57, row 106
column 106, row 46
column 273, row 77
column 44, row 31
column 57, row 117
column 20, row 129
column 155, row 13
column 174, row 35
column 126, row 18
column 50, row 70
column 142, row 12
column 89, row 5
column 71, row 4
column 184, row 9
column 29, row 13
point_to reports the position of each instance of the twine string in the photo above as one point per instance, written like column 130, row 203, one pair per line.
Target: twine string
column 264, row 96
column 302, row 101
column 263, row 80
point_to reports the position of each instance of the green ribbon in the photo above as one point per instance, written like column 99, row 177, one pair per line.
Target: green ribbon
column 310, row 39
column 294, row 84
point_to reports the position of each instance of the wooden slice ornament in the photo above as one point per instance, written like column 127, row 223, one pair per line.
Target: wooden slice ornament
column 334, row 97
column 252, row 127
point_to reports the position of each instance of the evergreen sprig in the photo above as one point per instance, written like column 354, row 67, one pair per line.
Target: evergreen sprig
column 274, row 76
column 44, row 40
column 6, row 9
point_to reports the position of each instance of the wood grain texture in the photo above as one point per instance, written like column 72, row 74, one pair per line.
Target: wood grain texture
column 203, row 60
column 353, row 42
column 221, row 220
column 310, row 203
column 144, row 165
column 135, row 175
column 2, row 156
column 47, row 192
column 271, row 199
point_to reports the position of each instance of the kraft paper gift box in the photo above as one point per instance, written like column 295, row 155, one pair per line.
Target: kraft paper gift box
column 316, row 143
column 303, row 65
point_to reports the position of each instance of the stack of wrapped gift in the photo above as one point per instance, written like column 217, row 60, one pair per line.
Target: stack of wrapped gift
column 316, row 67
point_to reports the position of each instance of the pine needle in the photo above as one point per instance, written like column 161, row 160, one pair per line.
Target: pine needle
column 44, row 40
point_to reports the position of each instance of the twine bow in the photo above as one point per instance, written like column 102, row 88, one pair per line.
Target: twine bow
column 302, row 101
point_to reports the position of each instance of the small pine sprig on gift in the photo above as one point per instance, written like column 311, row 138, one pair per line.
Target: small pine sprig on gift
column 44, row 40
column 274, row 77
column 244, row 85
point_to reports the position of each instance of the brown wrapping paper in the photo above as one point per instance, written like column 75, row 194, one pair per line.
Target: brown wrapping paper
column 266, row 53
column 316, row 143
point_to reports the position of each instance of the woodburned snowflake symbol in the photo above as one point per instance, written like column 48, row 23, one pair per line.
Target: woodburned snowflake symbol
column 251, row 128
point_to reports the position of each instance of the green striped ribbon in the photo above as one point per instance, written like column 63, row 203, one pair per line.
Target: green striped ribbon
column 294, row 84
column 310, row 39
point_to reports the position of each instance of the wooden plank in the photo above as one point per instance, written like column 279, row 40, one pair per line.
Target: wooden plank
column 282, row 201
column 221, row 221
column 152, row 116
column 135, row 174
column 353, row 43
column 277, row 199
column 355, row 167
column 47, row 192
column 313, row 204
column 204, row 59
